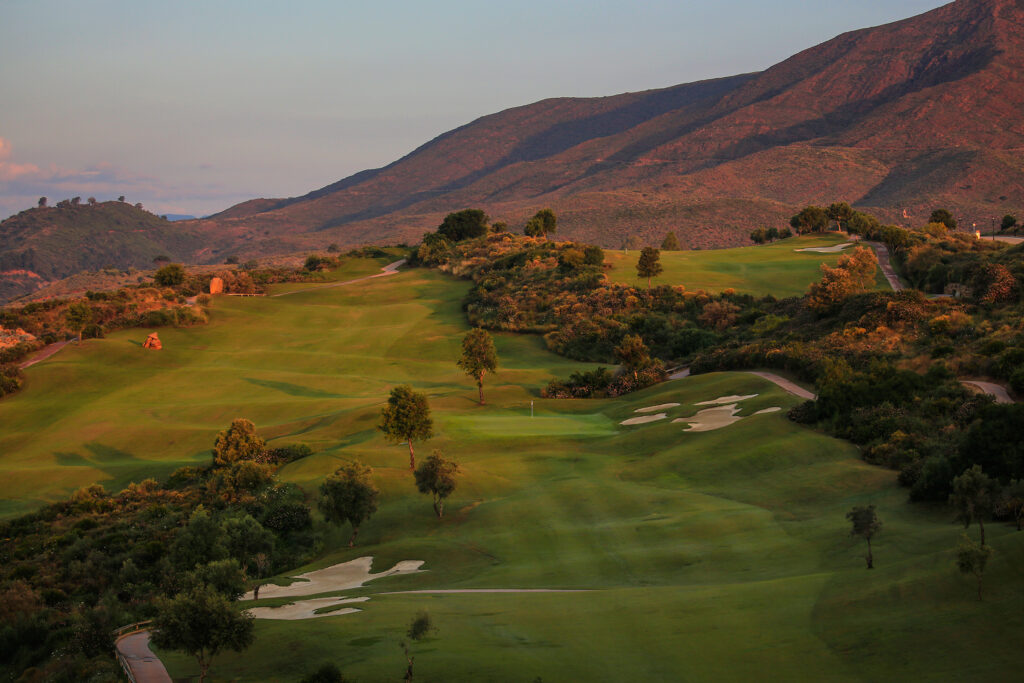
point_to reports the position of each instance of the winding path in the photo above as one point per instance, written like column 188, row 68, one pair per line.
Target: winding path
column 781, row 382
column 142, row 665
column 882, row 252
column 991, row 388
column 43, row 354
column 389, row 269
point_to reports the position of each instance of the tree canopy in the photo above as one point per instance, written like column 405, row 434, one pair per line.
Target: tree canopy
column 464, row 224
column 407, row 417
column 943, row 216
column 810, row 219
column 349, row 496
column 238, row 442
column 649, row 264
column 865, row 524
column 670, row 243
column 478, row 356
column 436, row 476
column 542, row 224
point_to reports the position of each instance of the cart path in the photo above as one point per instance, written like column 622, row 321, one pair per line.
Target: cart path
column 991, row 388
column 882, row 252
column 389, row 269
column 43, row 354
column 781, row 382
column 145, row 666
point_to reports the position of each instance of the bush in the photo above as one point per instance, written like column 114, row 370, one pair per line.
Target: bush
column 170, row 275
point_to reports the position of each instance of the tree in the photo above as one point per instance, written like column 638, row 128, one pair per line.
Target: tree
column 238, row 442
column 349, row 496
column 327, row 673
column 225, row 576
column 943, row 216
column 139, row 206
column 78, row 316
column 759, row 236
column 670, row 243
column 865, row 524
column 170, row 275
column 854, row 272
column 121, row 198
column 593, row 255
column 478, row 357
column 810, row 219
column 42, row 202
column 201, row 541
column 463, row 225
column 840, row 212
column 333, row 248
column 92, row 201
column 543, row 223
column 1008, row 223
column 973, row 497
column 75, row 201
column 649, row 266
column 247, row 540
column 201, row 623
column 436, row 476
column 633, row 354
column 971, row 558
column 407, row 417
column 419, row 628
column 1011, row 501
column 499, row 226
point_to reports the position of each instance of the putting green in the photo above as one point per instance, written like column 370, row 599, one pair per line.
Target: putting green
column 720, row 555
column 775, row 269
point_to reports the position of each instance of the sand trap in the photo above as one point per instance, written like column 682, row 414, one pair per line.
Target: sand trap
column 725, row 399
column 644, row 419
column 710, row 419
column 765, row 411
column 654, row 409
column 827, row 250
column 337, row 578
column 306, row 609
column 494, row 590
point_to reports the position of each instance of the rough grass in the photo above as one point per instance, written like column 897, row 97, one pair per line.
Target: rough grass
column 713, row 556
column 775, row 269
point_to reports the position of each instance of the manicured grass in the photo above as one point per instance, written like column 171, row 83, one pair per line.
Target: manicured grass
column 721, row 555
column 765, row 269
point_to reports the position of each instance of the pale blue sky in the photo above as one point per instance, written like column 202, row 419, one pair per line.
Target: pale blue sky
column 191, row 106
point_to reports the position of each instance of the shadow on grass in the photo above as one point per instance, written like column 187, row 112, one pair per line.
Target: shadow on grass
column 292, row 389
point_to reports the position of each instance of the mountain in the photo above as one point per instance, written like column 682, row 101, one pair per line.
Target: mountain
column 904, row 117
column 44, row 244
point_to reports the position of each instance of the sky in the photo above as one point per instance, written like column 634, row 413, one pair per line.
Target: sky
column 192, row 106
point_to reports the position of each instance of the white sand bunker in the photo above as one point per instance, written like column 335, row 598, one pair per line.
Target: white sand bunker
column 765, row 411
column 827, row 250
column 721, row 400
column 657, row 408
column 306, row 609
column 711, row 419
column 644, row 419
column 337, row 578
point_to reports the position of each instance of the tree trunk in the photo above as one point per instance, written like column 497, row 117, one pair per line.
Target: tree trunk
column 81, row 334
column 648, row 283
column 438, row 507
column 412, row 457
column 352, row 538
column 979, row 587
column 870, row 559
column 480, row 387
column 204, row 668
column 981, row 526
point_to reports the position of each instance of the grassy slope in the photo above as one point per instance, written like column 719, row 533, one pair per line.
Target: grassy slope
column 714, row 556
column 767, row 269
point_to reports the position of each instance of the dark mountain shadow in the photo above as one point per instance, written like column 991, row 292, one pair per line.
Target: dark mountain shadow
column 292, row 389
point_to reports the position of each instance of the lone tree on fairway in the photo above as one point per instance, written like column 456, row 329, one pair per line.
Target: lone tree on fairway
column 973, row 497
column 419, row 628
column 971, row 558
column 670, row 243
column 349, row 495
column 78, row 315
column 201, row 623
column 407, row 417
column 543, row 223
column 437, row 477
column 649, row 264
column 238, row 442
column 478, row 356
column 865, row 524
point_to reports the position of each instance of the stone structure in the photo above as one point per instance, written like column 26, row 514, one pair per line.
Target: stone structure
column 216, row 286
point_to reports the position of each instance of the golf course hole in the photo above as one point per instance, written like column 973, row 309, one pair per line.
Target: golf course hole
column 644, row 419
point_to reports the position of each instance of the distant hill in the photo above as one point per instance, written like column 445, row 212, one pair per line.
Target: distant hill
column 179, row 217
column 903, row 117
column 45, row 244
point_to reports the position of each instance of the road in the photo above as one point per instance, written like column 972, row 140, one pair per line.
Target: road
column 43, row 354
column 389, row 269
column 882, row 252
column 990, row 388
column 145, row 666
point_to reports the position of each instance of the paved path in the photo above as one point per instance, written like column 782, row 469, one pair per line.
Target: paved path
column 1006, row 238
column 145, row 666
column 43, row 354
column 389, row 269
column 882, row 252
column 991, row 388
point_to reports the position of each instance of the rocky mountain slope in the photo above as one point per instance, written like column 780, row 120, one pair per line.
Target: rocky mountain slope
column 901, row 117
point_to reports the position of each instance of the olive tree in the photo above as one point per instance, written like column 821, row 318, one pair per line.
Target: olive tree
column 407, row 417
column 349, row 496
column 436, row 476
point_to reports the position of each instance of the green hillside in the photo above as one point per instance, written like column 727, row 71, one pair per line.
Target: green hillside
column 721, row 555
column 57, row 241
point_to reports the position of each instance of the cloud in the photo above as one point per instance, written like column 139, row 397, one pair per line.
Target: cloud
column 10, row 170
